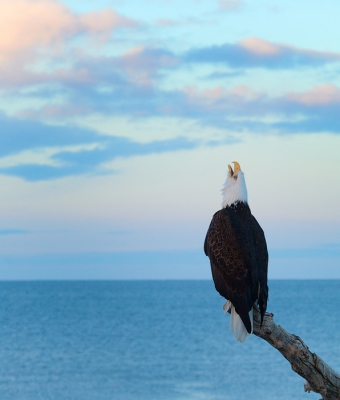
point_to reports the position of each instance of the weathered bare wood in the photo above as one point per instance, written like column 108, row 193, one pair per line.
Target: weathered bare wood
column 320, row 377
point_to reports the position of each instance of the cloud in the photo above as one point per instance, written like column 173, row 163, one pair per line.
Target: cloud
column 138, row 66
column 166, row 22
column 238, row 109
column 142, row 64
column 135, row 84
column 223, row 74
column 20, row 135
column 326, row 94
column 253, row 52
column 35, row 151
column 25, row 24
column 129, row 85
column 311, row 111
column 259, row 46
column 230, row 5
column 67, row 150
column 38, row 31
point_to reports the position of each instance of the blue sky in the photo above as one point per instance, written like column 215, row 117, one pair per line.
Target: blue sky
column 118, row 120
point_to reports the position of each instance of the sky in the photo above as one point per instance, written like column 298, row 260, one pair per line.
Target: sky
column 118, row 120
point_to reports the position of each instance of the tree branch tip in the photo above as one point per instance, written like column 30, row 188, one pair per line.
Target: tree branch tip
column 307, row 387
column 320, row 378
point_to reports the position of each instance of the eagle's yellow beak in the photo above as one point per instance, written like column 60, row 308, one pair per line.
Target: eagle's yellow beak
column 236, row 166
column 231, row 172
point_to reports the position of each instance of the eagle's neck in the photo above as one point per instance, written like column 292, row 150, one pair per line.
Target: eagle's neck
column 234, row 191
column 238, row 206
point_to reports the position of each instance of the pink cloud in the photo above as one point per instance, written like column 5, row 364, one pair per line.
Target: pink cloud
column 320, row 95
column 219, row 97
column 142, row 64
column 104, row 21
column 144, row 58
column 259, row 46
column 240, row 95
column 208, row 96
column 35, row 33
column 27, row 25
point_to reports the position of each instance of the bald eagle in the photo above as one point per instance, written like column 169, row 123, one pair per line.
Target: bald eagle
column 237, row 249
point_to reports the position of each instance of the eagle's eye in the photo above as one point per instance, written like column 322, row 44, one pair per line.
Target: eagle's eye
column 235, row 177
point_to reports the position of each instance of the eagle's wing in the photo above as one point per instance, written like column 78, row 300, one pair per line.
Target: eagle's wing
column 230, row 246
column 262, row 265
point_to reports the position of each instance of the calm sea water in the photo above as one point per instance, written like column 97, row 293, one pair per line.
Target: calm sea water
column 154, row 340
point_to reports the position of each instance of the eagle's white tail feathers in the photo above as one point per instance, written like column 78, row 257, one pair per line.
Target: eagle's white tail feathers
column 236, row 325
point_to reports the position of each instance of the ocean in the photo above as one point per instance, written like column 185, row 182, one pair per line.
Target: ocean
column 154, row 340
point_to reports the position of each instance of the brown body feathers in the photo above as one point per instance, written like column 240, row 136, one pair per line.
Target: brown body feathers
column 237, row 249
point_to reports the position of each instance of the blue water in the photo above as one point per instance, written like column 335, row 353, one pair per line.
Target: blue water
column 154, row 340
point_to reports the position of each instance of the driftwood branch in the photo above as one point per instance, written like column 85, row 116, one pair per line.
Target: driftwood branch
column 320, row 377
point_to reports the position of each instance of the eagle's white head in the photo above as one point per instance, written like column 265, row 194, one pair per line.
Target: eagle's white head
column 234, row 189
